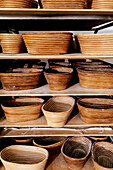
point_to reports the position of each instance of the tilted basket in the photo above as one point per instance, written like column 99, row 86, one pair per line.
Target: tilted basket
column 16, row 3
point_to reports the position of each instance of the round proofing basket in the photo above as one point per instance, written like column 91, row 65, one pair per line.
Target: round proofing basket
column 58, row 78
column 63, row 4
column 102, row 4
column 96, row 44
column 98, row 138
column 51, row 143
column 12, row 43
column 20, row 110
column 22, row 140
column 96, row 110
column 16, row 4
column 24, row 157
column 75, row 151
column 44, row 43
column 21, row 79
column 57, row 110
column 101, row 78
column 102, row 155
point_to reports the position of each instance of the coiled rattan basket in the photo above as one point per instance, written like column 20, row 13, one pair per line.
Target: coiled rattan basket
column 16, row 3
column 102, row 155
column 47, row 42
column 12, row 43
column 102, row 4
column 63, row 4
column 96, row 78
column 96, row 110
column 96, row 44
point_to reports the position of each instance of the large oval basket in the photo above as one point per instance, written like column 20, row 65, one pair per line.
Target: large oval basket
column 75, row 151
column 23, row 157
column 22, row 109
column 96, row 78
column 96, row 44
column 102, row 156
column 47, row 42
column 12, row 43
column 21, row 79
column 57, row 110
column 62, row 4
column 96, row 110
column 15, row 3
column 102, row 4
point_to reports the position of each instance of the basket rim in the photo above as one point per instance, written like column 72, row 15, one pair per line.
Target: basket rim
column 46, row 71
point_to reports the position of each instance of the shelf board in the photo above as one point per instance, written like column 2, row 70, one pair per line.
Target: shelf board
column 74, row 121
column 74, row 90
column 35, row 11
column 61, row 56
column 57, row 162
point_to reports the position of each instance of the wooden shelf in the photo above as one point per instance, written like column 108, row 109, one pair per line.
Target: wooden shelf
column 74, row 121
column 62, row 56
column 35, row 11
column 74, row 90
column 57, row 162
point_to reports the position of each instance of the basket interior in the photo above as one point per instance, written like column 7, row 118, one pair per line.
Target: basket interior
column 103, row 157
column 45, row 141
column 75, row 149
column 59, row 70
column 20, row 156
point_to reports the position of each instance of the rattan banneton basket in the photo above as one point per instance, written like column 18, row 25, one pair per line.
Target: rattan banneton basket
column 75, row 151
column 102, row 155
column 16, row 3
column 96, row 78
column 16, row 157
column 21, row 79
column 22, row 109
column 63, row 4
column 102, row 4
column 96, row 44
column 12, row 43
column 58, row 78
column 57, row 110
column 96, row 110
column 44, row 43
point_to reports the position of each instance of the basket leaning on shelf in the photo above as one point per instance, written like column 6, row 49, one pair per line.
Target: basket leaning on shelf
column 16, row 157
column 16, row 3
column 57, row 110
column 96, row 110
column 75, row 151
column 96, row 78
column 20, row 109
column 12, row 43
column 102, row 155
column 21, row 78
column 58, row 78
column 96, row 44
column 44, row 43
column 62, row 4
column 102, row 4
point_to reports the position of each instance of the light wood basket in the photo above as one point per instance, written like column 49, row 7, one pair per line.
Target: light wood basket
column 96, row 78
column 21, row 79
column 22, row 140
column 96, row 110
column 96, row 44
column 44, row 43
column 58, row 78
column 16, row 3
column 17, row 157
column 98, row 138
column 63, row 4
column 22, row 109
column 57, row 110
column 51, row 143
column 102, row 155
column 75, row 151
column 12, row 43
column 102, row 4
